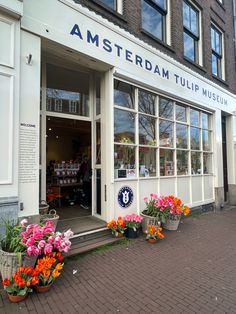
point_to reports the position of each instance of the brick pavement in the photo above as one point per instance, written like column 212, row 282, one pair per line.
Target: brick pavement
column 192, row 270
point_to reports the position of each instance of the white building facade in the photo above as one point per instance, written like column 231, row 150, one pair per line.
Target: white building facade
column 156, row 125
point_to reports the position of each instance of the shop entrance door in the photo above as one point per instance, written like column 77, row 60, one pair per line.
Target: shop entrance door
column 71, row 133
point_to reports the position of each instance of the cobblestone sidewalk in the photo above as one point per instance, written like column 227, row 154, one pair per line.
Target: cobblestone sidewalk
column 192, row 270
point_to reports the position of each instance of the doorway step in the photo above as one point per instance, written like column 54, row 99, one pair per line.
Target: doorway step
column 90, row 240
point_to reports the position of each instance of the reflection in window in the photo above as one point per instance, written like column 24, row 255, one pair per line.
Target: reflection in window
column 194, row 117
column 146, row 102
column 98, row 97
column 110, row 3
column 180, row 113
column 123, row 94
column 207, row 163
column 166, row 108
column 124, row 126
column 206, row 140
column 191, row 33
column 195, row 138
column 124, row 158
column 181, row 136
column 147, row 134
column 166, row 162
column 205, row 121
column 216, row 51
column 154, row 18
column 147, row 162
column 166, row 133
column 182, row 162
column 196, row 163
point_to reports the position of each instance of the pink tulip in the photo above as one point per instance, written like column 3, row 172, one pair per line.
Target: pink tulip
column 23, row 222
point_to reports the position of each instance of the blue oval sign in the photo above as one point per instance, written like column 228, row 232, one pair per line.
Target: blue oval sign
column 125, row 196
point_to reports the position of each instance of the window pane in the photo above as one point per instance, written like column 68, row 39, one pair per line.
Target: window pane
column 98, row 97
column 124, row 158
column 146, row 102
column 166, row 108
column 166, row 162
column 124, row 126
column 181, row 136
column 206, row 140
column 214, row 65
column 194, row 117
column 213, row 46
column 152, row 20
column 180, row 113
column 166, row 133
column 123, row 94
column 182, row 162
column 195, row 138
column 207, row 163
column 186, row 15
column 98, row 142
column 160, row 3
column 147, row 134
column 109, row 3
column 196, row 163
column 194, row 22
column 147, row 162
column 205, row 120
column 189, row 50
column 217, row 42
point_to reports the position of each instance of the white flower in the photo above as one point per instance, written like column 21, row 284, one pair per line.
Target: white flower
column 68, row 234
column 23, row 222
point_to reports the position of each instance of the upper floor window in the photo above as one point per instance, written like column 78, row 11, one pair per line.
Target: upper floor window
column 154, row 14
column 216, row 52
column 191, row 32
column 115, row 5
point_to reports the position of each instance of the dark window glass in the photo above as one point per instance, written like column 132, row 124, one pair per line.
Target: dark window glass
column 153, row 18
column 216, row 52
column 110, row 3
column 124, row 128
column 166, row 109
column 180, row 113
column 166, row 133
column 181, row 136
column 147, row 134
column 191, row 31
column 146, row 102
column 123, row 94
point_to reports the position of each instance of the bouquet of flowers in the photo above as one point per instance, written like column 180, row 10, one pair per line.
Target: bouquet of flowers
column 153, row 232
column 48, row 268
column 117, row 226
column 133, row 221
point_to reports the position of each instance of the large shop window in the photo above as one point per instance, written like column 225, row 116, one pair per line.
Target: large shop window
column 191, row 31
column 156, row 137
column 154, row 18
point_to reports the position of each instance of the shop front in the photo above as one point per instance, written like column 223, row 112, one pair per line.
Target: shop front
column 143, row 122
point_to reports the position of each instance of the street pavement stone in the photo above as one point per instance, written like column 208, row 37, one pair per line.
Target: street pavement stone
column 192, row 270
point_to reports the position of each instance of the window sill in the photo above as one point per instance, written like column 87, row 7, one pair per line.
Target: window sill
column 113, row 12
column 159, row 41
column 195, row 64
column 220, row 80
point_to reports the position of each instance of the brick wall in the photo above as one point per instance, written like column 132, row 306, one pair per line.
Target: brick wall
column 212, row 10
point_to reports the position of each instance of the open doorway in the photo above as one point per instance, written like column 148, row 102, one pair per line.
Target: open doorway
column 68, row 164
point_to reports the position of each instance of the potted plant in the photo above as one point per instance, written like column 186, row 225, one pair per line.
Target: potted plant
column 48, row 268
column 174, row 208
column 20, row 284
column 153, row 213
column 117, row 227
column 133, row 225
column 153, row 233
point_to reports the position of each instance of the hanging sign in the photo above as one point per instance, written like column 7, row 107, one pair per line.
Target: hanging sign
column 125, row 196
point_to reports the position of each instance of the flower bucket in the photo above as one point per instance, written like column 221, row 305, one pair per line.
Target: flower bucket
column 52, row 216
column 43, row 208
column 42, row 289
column 149, row 220
column 118, row 235
column 9, row 262
column 172, row 222
column 152, row 241
column 131, row 233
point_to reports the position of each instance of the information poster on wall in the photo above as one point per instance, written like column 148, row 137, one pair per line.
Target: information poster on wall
column 28, row 153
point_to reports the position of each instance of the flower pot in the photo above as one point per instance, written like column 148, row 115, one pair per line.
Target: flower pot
column 118, row 235
column 152, row 241
column 16, row 298
column 131, row 233
column 41, row 289
column 172, row 222
column 9, row 262
column 149, row 220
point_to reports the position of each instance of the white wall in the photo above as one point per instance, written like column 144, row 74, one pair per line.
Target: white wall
column 29, row 123
column 9, row 100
